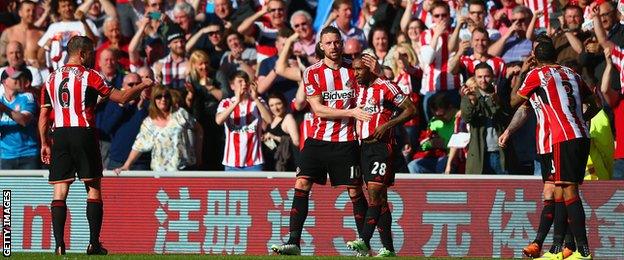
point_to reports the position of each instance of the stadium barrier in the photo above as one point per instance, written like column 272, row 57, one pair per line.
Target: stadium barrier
column 244, row 213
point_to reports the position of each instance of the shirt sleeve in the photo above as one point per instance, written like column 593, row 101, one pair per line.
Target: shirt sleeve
column 265, row 68
column 46, row 101
column 144, row 141
column 312, row 87
column 28, row 103
column 617, row 57
column 97, row 82
column 530, row 84
column 224, row 104
column 46, row 36
column 394, row 94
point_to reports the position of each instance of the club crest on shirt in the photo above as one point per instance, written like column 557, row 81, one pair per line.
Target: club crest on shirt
column 309, row 90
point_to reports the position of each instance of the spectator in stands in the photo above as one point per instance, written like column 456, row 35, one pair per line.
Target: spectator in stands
column 184, row 16
column 267, row 78
column 19, row 148
column 122, row 124
column 569, row 38
column 379, row 42
column 265, row 33
column 352, row 47
column 242, row 150
column 342, row 11
column 239, row 57
column 501, row 18
column 97, row 11
column 434, row 55
column 377, row 13
column 432, row 156
column 420, row 10
column 15, row 57
column 281, row 136
column 487, row 116
column 110, row 69
column 55, row 39
column 114, row 40
column 301, row 22
column 206, row 97
column 25, row 33
column 414, row 29
column 128, row 17
column 211, row 40
column 170, row 134
column 480, row 41
column 513, row 46
column 222, row 14
column 406, row 77
column 605, row 17
column 477, row 11
column 171, row 71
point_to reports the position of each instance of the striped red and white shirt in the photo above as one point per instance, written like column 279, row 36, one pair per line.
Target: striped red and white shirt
column 545, row 5
column 380, row 100
column 243, row 133
column 497, row 64
column 617, row 58
column 543, row 139
column 72, row 92
column 406, row 83
column 436, row 75
column 337, row 89
column 305, row 127
column 418, row 11
column 561, row 91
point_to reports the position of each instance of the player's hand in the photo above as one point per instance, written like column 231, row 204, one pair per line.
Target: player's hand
column 372, row 64
column 359, row 114
column 380, row 131
column 45, row 154
column 502, row 139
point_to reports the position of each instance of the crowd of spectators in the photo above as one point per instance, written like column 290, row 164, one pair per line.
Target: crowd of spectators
column 231, row 97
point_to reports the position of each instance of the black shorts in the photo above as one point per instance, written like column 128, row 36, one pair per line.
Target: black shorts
column 339, row 159
column 75, row 150
column 546, row 161
column 376, row 163
column 570, row 159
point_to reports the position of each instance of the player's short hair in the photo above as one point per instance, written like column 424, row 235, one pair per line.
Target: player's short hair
column 484, row 65
column 25, row 2
column 545, row 52
column 79, row 43
column 337, row 4
column 329, row 29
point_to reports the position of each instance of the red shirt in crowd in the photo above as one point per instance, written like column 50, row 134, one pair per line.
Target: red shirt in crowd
column 243, row 133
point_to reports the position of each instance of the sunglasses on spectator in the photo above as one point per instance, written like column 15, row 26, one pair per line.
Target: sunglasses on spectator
column 518, row 20
column 132, row 84
column 300, row 25
column 440, row 15
column 166, row 96
column 212, row 33
column 606, row 14
column 276, row 10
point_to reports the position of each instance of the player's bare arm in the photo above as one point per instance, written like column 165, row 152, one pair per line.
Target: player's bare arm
column 123, row 96
column 518, row 120
column 331, row 113
column 408, row 111
column 43, row 130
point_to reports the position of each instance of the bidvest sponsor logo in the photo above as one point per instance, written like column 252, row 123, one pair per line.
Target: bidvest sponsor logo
column 338, row 95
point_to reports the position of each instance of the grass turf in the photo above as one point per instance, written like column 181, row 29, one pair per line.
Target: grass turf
column 228, row 257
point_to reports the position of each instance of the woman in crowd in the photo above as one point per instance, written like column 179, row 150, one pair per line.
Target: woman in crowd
column 206, row 95
column 379, row 41
column 407, row 76
column 169, row 133
column 280, row 136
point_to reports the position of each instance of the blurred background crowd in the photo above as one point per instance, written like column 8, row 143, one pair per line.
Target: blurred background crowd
column 230, row 94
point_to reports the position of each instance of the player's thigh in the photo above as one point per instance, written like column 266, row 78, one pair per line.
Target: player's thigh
column 86, row 154
column 376, row 163
column 62, row 168
column 343, row 163
column 570, row 158
column 312, row 165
